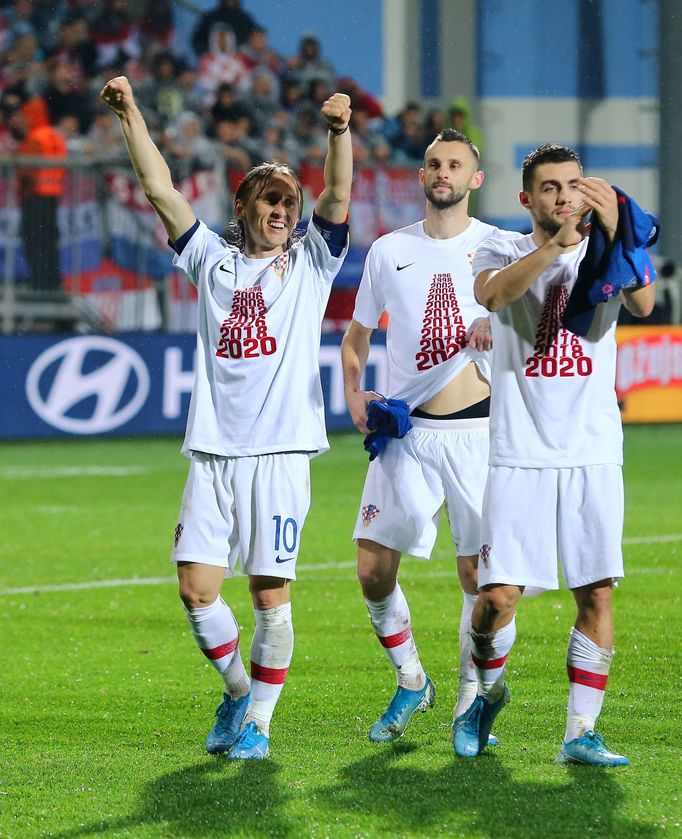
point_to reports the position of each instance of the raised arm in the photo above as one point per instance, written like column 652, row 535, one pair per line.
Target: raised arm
column 495, row 289
column 151, row 169
column 354, row 353
column 334, row 200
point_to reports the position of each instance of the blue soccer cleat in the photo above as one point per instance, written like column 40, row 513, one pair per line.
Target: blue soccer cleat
column 394, row 720
column 230, row 715
column 471, row 731
column 250, row 744
column 590, row 748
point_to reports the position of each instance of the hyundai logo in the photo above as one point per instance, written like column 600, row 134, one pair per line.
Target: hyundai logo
column 87, row 385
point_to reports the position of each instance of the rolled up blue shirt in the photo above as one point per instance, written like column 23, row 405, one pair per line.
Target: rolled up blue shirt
column 386, row 419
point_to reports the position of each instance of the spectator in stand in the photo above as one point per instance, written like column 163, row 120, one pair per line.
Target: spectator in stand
column 318, row 92
column 361, row 97
column 20, row 21
column 405, row 133
column 459, row 117
column 115, row 34
column 163, row 99
column 369, row 147
column 308, row 63
column 264, row 99
column 75, row 47
column 308, row 138
column 229, row 13
column 434, row 123
column 156, row 25
column 257, row 54
column 227, row 105
column 230, row 135
column 188, row 147
column 292, row 95
column 66, row 95
column 220, row 63
column 105, row 139
column 40, row 189
column 69, row 127
column 22, row 67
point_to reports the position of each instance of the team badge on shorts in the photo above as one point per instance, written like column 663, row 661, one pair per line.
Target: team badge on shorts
column 369, row 513
column 178, row 533
column 484, row 554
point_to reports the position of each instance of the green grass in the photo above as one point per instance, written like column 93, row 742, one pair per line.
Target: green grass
column 105, row 701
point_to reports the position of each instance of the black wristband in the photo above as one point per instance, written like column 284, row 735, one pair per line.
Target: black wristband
column 337, row 131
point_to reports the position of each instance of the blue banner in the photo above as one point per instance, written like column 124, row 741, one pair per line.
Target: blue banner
column 126, row 385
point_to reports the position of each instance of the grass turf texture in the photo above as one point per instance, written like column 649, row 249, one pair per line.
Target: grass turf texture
column 106, row 702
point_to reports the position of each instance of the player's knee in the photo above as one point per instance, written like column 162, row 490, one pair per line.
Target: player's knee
column 196, row 596
column 596, row 598
column 496, row 603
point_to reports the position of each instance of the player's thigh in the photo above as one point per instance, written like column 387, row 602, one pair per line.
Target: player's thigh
column 590, row 524
column 273, row 499
column 465, row 470
column 402, row 497
column 518, row 529
column 206, row 521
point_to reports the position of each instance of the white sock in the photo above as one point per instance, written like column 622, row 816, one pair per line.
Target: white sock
column 468, row 679
column 489, row 654
column 271, row 651
column 390, row 618
column 216, row 632
column 588, row 666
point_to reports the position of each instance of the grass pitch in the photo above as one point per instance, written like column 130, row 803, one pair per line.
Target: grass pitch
column 106, row 701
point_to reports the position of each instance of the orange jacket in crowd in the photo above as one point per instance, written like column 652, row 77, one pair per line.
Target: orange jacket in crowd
column 43, row 141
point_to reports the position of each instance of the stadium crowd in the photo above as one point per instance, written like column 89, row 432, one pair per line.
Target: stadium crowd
column 233, row 98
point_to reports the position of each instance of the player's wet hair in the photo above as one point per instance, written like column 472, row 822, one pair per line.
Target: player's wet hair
column 255, row 183
column 452, row 135
column 548, row 153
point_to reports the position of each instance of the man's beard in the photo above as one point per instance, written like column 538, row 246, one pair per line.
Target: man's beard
column 549, row 225
column 455, row 197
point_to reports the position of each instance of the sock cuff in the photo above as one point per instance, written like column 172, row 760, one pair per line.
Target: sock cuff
column 583, row 651
column 469, row 598
column 203, row 612
column 277, row 616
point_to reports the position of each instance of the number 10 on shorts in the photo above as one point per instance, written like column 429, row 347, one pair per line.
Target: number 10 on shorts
column 286, row 534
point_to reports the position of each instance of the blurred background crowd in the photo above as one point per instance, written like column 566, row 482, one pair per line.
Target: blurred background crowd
column 233, row 99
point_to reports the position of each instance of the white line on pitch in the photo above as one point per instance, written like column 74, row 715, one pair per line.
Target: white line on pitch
column 22, row 472
column 329, row 566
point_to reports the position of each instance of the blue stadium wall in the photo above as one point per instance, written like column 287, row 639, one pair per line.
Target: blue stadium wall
column 584, row 73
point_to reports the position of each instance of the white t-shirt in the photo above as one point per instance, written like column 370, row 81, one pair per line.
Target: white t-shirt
column 553, row 393
column 257, row 387
column 425, row 286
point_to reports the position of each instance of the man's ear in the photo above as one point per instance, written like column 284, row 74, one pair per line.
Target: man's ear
column 239, row 208
column 477, row 180
column 523, row 199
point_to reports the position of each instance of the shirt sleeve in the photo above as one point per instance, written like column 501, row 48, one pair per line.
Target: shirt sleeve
column 318, row 256
column 369, row 302
column 491, row 255
column 203, row 250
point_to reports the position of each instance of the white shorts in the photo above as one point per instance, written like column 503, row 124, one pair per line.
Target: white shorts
column 534, row 517
column 246, row 508
column 438, row 461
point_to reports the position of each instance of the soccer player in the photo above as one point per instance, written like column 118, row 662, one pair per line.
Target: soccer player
column 437, row 341
column 555, row 485
column 256, row 414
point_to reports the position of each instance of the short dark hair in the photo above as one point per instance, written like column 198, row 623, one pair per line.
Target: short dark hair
column 452, row 135
column 255, row 183
column 547, row 153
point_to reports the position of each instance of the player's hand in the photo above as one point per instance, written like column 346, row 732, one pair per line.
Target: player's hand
column 574, row 228
column 479, row 337
column 118, row 95
column 357, row 402
column 336, row 110
column 601, row 197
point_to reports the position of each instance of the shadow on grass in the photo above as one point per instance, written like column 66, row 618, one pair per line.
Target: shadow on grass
column 480, row 797
column 213, row 798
